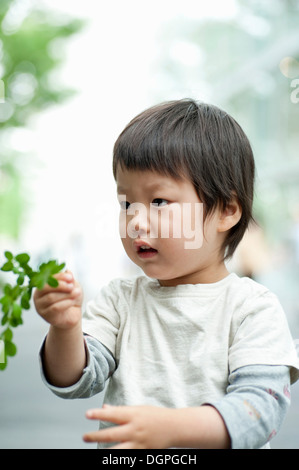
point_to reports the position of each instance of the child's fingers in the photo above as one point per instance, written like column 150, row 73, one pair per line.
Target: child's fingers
column 51, row 298
column 63, row 287
column 111, row 434
column 60, row 307
column 66, row 284
column 65, row 276
column 115, row 414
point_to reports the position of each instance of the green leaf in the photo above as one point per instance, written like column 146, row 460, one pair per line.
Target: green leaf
column 4, row 319
column 16, row 291
column 21, row 279
column 53, row 282
column 22, row 258
column 29, row 292
column 45, row 274
column 37, row 281
column 25, row 300
column 7, row 334
column 10, row 348
column 8, row 266
column 7, row 289
column 16, row 310
column 27, row 270
column 8, row 255
column 6, row 302
column 14, row 321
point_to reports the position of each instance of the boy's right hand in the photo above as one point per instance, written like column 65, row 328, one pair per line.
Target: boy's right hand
column 60, row 306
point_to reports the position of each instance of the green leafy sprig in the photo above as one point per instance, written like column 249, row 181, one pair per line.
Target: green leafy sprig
column 17, row 297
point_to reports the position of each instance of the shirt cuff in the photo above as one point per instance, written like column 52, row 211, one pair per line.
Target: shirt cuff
column 72, row 390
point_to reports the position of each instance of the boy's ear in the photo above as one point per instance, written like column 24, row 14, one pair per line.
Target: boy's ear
column 230, row 216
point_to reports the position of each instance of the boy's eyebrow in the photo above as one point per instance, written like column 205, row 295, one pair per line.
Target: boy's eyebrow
column 150, row 187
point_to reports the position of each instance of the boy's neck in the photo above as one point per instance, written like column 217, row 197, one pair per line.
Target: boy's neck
column 207, row 275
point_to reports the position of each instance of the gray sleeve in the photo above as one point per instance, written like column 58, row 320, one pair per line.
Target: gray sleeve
column 100, row 365
column 256, row 403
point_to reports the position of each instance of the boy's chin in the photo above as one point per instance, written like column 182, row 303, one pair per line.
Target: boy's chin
column 151, row 271
column 158, row 274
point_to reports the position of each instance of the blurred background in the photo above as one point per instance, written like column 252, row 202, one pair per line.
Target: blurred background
column 72, row 75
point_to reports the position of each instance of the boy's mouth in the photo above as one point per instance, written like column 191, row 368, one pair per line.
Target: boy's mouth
column 144, row 250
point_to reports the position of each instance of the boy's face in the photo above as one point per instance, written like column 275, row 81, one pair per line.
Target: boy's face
column 162, row 230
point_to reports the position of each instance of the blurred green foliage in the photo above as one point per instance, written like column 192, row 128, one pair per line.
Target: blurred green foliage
column 31, row 45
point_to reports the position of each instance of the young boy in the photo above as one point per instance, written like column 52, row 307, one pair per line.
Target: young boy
column 196, row 356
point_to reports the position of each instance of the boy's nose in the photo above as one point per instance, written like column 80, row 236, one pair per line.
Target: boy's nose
column 140, row 225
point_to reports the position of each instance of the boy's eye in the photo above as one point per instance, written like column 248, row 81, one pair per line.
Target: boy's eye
column 159, row 202
column 124, row 205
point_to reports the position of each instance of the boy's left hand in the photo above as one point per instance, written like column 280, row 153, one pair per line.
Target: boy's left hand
column 137, row 427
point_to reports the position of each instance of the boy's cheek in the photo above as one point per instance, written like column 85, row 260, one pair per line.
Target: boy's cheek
column 127, row 246
column 169, row 225
column 122, row 225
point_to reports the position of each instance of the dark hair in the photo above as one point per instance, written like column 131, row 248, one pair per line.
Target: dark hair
column 185, row 138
